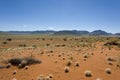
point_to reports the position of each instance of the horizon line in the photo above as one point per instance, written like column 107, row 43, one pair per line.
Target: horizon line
column 56, row 30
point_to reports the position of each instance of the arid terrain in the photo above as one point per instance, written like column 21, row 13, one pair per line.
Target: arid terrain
column 61, row 57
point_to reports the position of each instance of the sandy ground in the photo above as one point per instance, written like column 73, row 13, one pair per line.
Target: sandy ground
column 55, row 57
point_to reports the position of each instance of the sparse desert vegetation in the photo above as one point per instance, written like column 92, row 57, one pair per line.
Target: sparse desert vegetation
column 108, row 71
column 66, row 69
column 65, row 57
column 88, row 73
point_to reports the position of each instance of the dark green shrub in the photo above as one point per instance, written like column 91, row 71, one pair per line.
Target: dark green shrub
column 9, row 39
column 22, row 62
column 5, row 42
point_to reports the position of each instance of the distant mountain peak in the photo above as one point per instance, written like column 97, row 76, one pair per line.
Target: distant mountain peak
column 62, row 32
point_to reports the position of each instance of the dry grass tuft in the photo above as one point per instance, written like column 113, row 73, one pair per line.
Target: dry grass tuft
column 108, row 70
column 40, row 77
column 98, row 79
column 14, row 72
column 66, row 69
column 69, row 62
column 88, row 73
column 77, row 64
column 14, row 79
column 8, row 65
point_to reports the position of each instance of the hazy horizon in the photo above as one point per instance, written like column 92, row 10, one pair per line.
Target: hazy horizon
column 32, row 15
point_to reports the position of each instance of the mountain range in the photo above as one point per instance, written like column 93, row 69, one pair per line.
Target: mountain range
column 63, row 32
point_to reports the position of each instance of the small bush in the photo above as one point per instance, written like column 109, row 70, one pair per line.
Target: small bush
column 85, row 56
column 37, row 38
column 108, row 70
column 26, row 67
column 43, row 39
column 65, row 39
column 41, row 77
column 66, row 69
column 118, row 65
column 4, row 42
column 22, row 45
column 30, row 61
column 88, row 73
column 77, row 64
column 8, row 65
column 47, row 44
column 110, row 59
column 71, row 58
column 34, row 46
column 50, row 76
column 51, row 39
column 14, row 72
column 47, row 78
column 9, row 39
column 15, row 61
column 69, row 63
column 110, row 63
column 22, row 62
column 115, row 43
column 59, row 55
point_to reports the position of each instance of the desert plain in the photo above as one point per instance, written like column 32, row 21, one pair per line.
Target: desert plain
column 61, row 57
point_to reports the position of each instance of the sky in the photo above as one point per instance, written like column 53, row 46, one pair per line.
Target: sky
column 31, row 15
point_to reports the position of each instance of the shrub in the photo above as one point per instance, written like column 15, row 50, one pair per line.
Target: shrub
column 8, row 65
column 15, row 61
column 71, row 58
column 51, row 39
column 69, row 63
column 84, row 59
column 56, row 61
column 66, row 69
column 65, row 39
column 86, row 55
column 4, row 42
column 34, row 46
column 77, row 64
column 43, row 39
column 14, row 72
column 108, row 70
column 47, row 44
column 110, row 59
column 22, row 62
column 88, row 73
column 110, row 63
column 31, row 60
column 26, row 67
column 59, row 55
column 50, row 76
column 22, row 45
column 63, row 58
column 47, row 78
column 9, row 39
column 118, row 65
column 41, row 77
column 37, row 38
column 115, row 43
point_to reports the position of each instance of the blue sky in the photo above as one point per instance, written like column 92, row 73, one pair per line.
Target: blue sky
column 30, row 15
